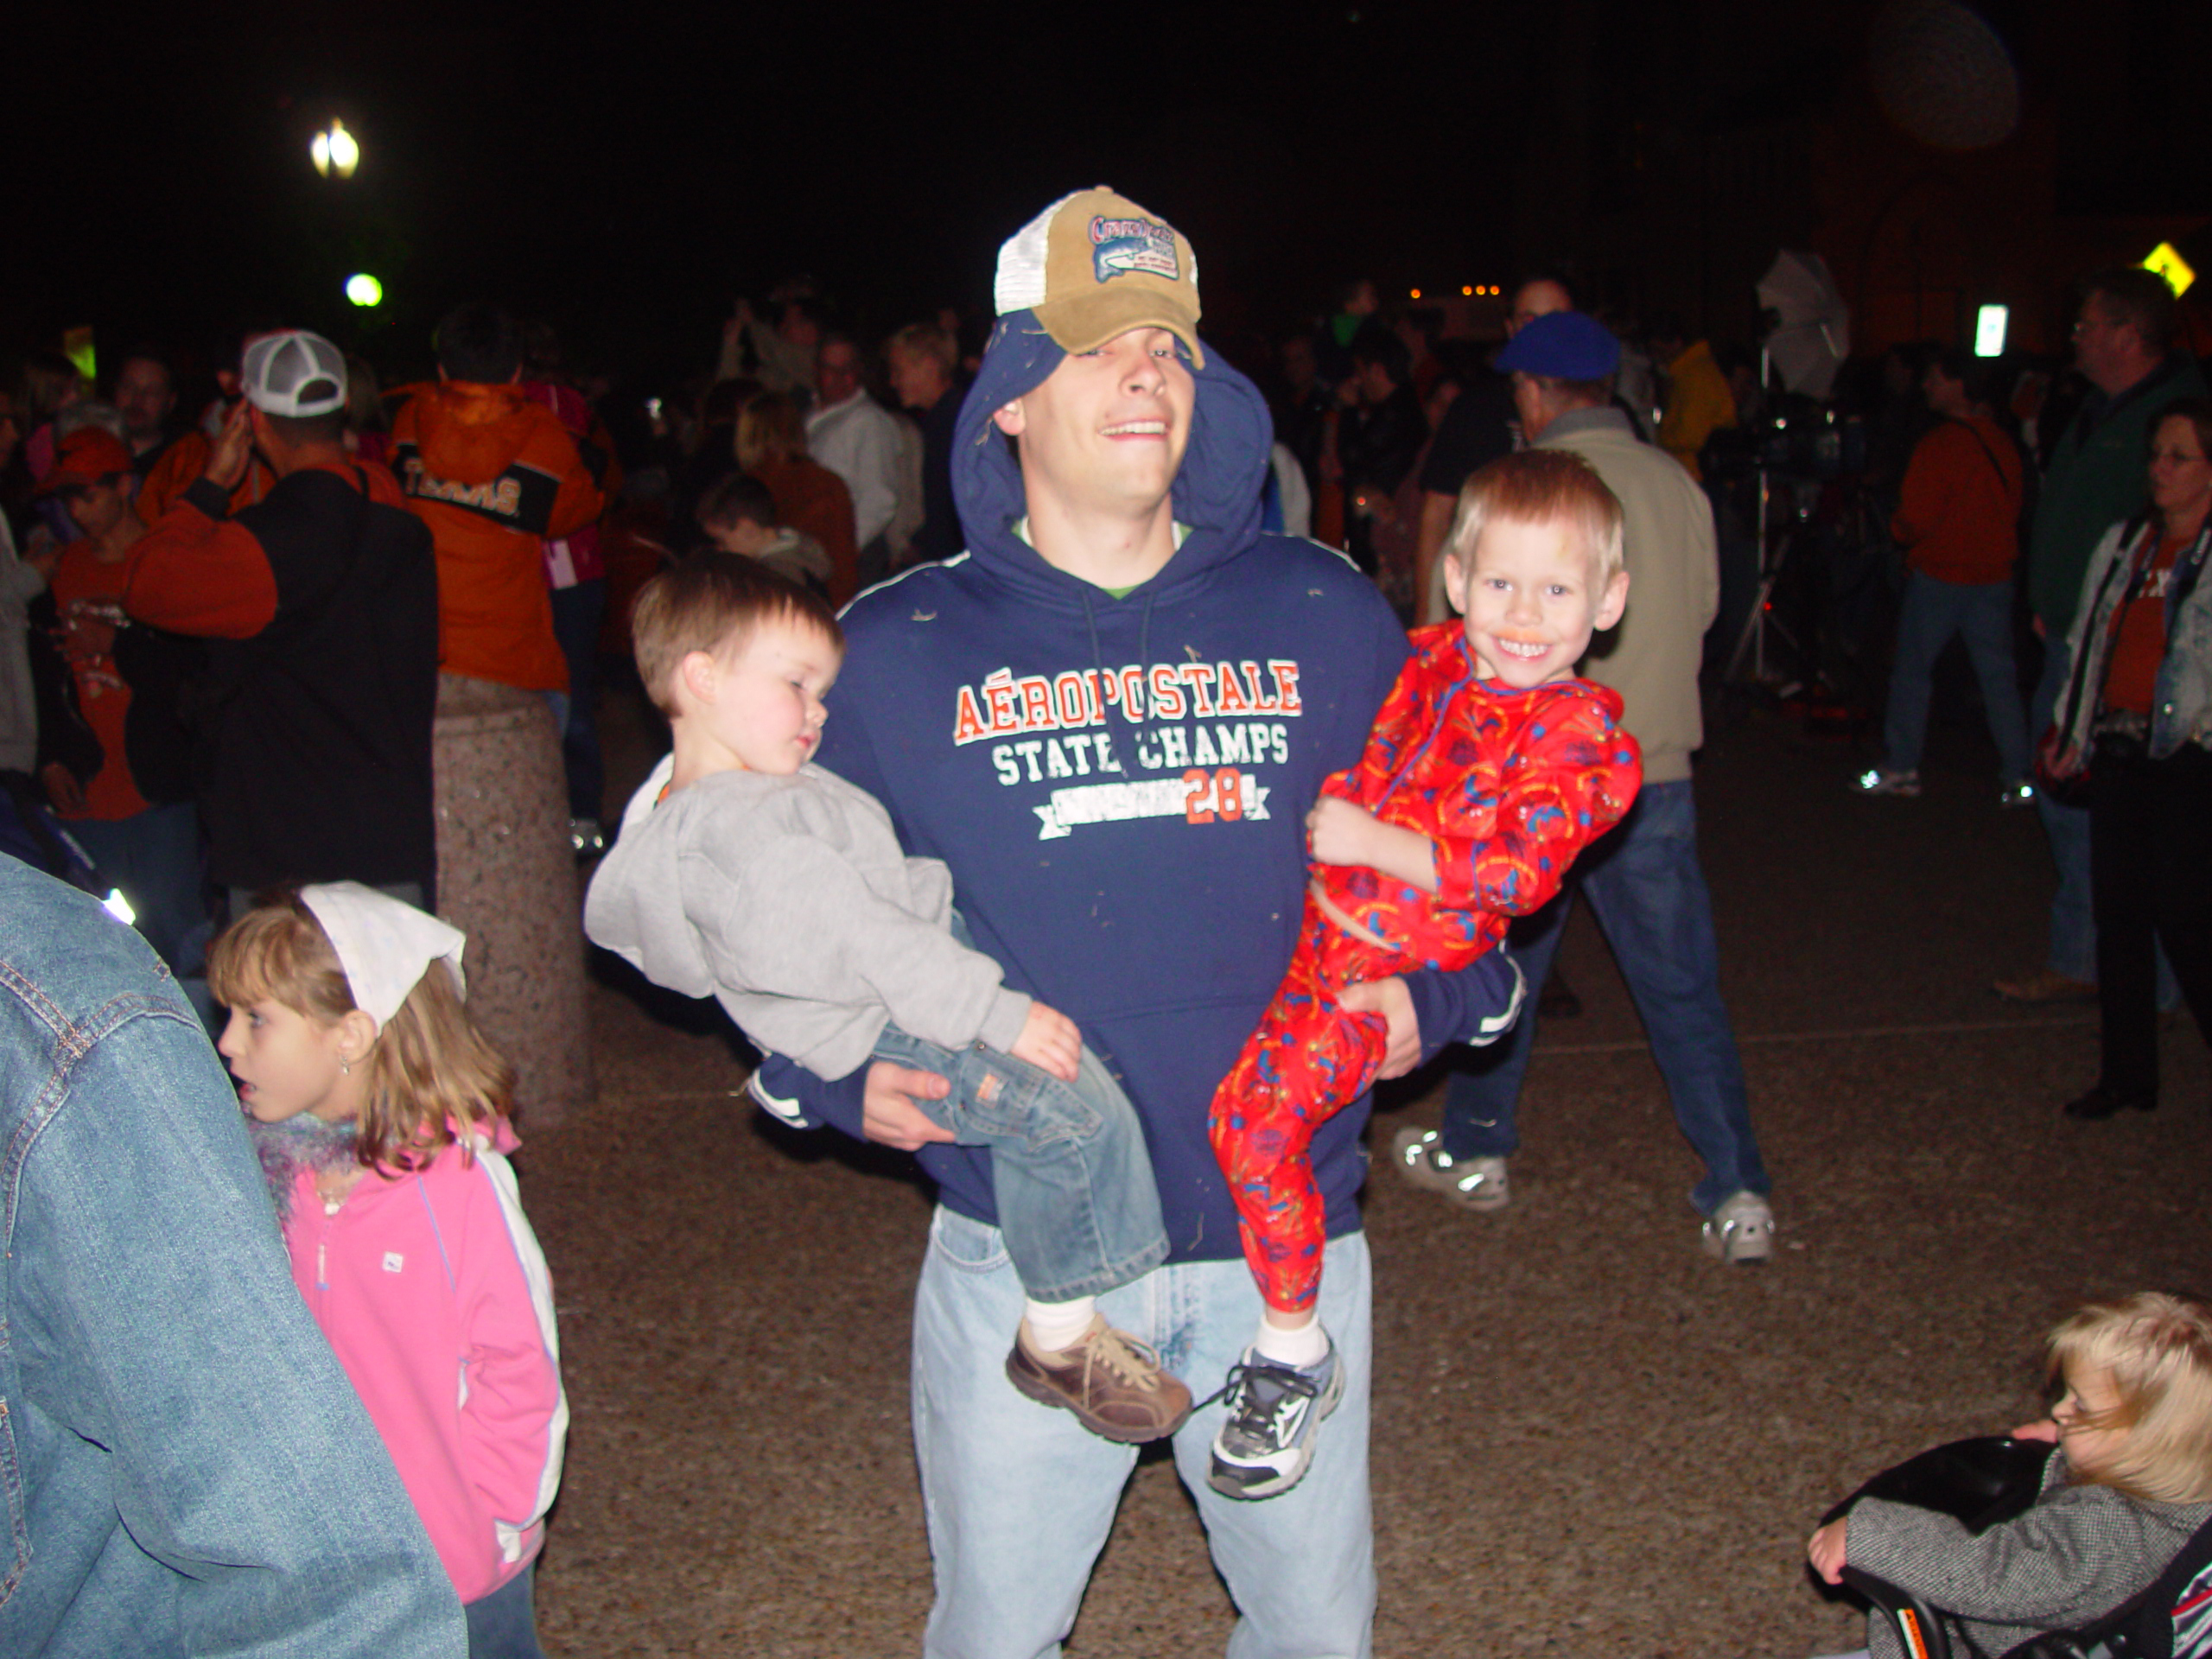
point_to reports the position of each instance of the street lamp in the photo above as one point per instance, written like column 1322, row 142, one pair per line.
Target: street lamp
column 334, row 151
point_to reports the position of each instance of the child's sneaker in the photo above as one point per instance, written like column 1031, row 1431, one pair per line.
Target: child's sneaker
column 1274, row 1411
column 1475, row 1183
column 1741, row 1230
column 1109, row 1380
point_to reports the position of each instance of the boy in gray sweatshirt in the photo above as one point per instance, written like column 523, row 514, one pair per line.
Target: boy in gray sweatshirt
column 745, row 872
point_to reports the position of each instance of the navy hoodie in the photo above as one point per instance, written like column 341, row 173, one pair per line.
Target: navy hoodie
column 1120, row 785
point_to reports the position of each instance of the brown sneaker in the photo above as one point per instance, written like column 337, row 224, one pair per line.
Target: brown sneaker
column 2044, row 986
column 1109, row 1380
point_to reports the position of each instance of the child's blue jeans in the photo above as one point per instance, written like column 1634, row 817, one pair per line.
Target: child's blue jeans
column 504, row 1624
column 1076, row 1198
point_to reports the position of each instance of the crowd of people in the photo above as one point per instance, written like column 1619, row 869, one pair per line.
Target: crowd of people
column 1114, row 935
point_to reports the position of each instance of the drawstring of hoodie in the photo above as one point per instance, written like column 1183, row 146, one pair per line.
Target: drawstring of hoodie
column 1144, row 660
column 1144, row 666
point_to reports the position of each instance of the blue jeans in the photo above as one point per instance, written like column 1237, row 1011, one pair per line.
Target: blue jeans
column 184, row 1467
column 1648, row 894
column 2073, row 927
column 1981, row 613
column 2072, row 914
column 576, row 614
column 1068, row 1160
column 154, row 856
column 504, row 1624
column 1020, row 1499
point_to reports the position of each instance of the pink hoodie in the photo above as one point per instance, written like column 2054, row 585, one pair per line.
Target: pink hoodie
column 434, row 1297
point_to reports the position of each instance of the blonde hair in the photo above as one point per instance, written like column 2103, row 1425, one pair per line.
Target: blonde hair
column 2158, row 1351
column 713, row 602
column 430, row 1068
column 768, row 429
column 1539, row 487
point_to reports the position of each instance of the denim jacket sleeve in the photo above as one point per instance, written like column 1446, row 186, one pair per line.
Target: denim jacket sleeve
column 191, row 1471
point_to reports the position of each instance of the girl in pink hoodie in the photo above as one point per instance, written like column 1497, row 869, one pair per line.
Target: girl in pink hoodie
column 380, row 1114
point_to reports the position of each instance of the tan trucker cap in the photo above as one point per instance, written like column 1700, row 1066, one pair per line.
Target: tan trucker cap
column 1093, row 266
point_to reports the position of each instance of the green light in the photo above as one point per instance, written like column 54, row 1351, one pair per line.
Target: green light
column 77, row 347
column 364, row 290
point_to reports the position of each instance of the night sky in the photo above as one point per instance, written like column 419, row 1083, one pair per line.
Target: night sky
column 624, row 175
column 624, row 170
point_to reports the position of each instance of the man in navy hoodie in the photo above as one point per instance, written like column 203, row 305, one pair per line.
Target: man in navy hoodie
column 1109, row 716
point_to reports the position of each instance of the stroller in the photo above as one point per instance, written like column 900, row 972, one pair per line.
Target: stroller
column 1984, row 1483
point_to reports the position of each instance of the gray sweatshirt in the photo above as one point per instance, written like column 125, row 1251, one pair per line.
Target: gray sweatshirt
column 789, row 900
column 2074, row 1556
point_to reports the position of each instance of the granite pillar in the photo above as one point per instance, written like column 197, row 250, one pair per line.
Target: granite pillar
column 507, row 877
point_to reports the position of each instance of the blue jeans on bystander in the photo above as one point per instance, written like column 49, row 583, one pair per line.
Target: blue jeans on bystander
column 1645, row 887
column 2073, row 928
column 1981, row 614
column 2073, row 917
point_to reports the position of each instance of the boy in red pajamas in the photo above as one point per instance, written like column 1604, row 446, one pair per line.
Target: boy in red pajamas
column 1490, row 767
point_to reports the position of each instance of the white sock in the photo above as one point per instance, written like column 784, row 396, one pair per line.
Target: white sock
column 1055, row 1325
column 1305, row 1347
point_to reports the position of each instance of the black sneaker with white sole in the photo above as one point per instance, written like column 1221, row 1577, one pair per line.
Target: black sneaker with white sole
column 1275, row 1411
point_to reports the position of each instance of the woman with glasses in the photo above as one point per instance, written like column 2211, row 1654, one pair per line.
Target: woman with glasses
column 2136, row 717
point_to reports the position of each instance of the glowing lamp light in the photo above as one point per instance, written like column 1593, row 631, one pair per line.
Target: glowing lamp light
column 1989, row 330
column 335, row 151
column 364, row 290
column 1416, row 293
column 2178, row 271
column 118, row 906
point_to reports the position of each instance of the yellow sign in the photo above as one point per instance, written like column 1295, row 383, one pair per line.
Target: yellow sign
column 2178, row 271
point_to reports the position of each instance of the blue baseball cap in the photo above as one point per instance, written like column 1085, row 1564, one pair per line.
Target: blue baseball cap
column 1562, row 345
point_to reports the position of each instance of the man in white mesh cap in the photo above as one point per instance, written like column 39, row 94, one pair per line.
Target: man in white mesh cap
column 319, row 604
column 1108, row 716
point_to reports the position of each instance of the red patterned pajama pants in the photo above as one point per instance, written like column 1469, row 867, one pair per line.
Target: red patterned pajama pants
column 1306, row 1062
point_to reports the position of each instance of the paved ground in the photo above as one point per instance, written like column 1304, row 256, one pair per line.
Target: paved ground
column 1590, row 1439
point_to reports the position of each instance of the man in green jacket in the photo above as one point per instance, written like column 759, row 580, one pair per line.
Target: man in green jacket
column 2097, row 477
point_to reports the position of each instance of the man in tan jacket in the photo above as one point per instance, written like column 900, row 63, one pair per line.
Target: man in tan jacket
column 1642, row 880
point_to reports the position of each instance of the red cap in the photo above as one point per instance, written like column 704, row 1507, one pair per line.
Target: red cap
column 86, row 456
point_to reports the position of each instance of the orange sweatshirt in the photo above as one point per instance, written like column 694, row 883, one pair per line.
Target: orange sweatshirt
column 493, row 474
column 182, row 463
column 81, row 578
column 1959, row 512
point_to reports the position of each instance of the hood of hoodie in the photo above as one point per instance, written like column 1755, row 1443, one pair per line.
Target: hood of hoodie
column 1216, row 492
column 472, row 434
column 1118, row 785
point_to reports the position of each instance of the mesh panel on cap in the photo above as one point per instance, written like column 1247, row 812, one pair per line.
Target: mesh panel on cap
column 1020, row 284
column 295, row 373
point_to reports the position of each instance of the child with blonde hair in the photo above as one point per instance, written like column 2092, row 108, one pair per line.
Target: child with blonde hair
column 1490, row 767
column 380, row 1114
column 2130, row 1484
